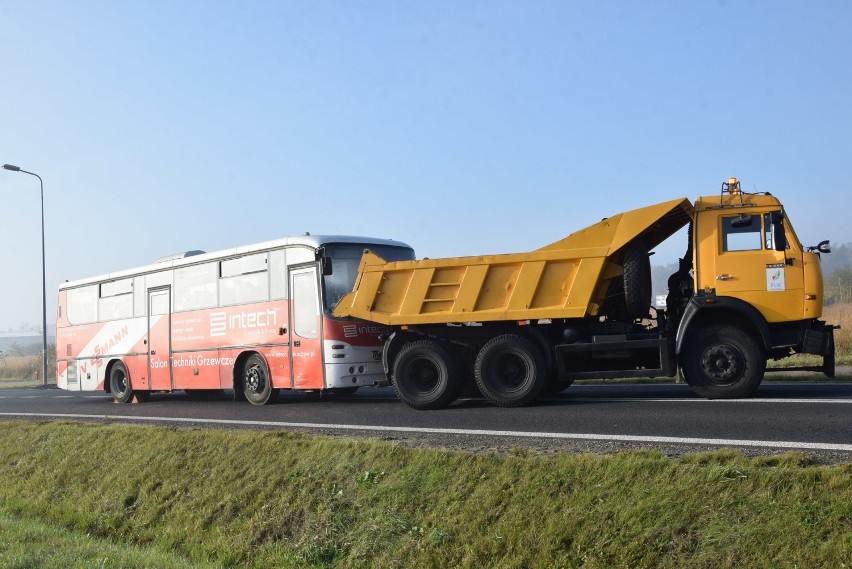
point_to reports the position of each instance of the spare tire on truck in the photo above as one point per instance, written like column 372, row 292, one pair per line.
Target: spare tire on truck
column 637, row 279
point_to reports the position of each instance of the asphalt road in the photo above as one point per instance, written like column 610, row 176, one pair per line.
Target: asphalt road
column 815, row 418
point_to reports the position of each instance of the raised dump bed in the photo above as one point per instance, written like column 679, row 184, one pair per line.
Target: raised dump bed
column 575, row 277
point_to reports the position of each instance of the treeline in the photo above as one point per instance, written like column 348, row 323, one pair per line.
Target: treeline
column 836, row 270
column 838, row 286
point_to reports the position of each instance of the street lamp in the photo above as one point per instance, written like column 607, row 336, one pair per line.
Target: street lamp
column 12, row 168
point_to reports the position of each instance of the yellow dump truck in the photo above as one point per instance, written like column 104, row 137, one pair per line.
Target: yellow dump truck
column 519, row 325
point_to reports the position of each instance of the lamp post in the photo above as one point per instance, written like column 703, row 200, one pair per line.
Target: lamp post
column 13, row 168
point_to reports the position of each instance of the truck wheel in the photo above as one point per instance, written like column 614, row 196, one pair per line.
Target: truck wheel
column 510, row 371
column 637, row 279
column 257, row 385
column 723, row 362
column 119, row 383
column 427, row 375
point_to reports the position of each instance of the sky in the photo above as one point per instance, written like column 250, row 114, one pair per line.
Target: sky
column 458, row 127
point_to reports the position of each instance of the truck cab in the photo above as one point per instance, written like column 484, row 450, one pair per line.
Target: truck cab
column 753, row 283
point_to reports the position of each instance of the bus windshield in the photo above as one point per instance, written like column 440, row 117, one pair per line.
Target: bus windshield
column 345, row 258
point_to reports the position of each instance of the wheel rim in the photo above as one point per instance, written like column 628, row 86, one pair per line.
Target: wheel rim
column 508, row 372
column 722, row 364
column 423, row 375
column 255, row 379
column 119, row 382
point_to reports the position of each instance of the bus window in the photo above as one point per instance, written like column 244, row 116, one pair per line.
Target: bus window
column 345, row 258
column 195, row 287
column 139, row 296
column 244, row 279
column 116, row 300
column 305, row 305
column 83, row 305
column 278, row 274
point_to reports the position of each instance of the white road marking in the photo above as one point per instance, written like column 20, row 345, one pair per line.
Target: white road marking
column 474, row 432
column 698, row 400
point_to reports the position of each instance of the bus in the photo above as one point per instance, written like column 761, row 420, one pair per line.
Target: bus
column 255, row 319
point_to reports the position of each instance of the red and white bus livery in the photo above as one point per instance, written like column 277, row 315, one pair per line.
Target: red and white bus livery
column 256, row 319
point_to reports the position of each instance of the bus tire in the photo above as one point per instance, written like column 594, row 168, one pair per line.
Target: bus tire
column 723, row 362
column 119, row 383
column 427, row 375
column 256, row 383
column 510, row 371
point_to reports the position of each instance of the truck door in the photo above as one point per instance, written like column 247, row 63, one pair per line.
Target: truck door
column 159, row 340
column 306, row 326
column 748, row 267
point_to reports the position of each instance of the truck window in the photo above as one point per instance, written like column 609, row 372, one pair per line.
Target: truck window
column 741, row 233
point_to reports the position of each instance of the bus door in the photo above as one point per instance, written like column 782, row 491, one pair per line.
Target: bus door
column 306, row 329
column 159, row 339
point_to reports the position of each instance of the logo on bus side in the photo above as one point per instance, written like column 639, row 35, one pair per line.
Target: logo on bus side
column 105, row 347
column 221, row 322
column 353, row 330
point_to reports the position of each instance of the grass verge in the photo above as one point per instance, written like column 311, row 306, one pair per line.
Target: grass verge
column 276, row 499
column 28, row 544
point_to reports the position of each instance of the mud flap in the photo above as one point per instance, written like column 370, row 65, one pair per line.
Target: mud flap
column 819, row 340
column 828, row 356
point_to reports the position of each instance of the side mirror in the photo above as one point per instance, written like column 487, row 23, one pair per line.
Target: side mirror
column 824, row 247
column 326, row 267
column 779, row 237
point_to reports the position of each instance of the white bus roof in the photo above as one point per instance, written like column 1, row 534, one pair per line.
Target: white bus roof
column 192, row 257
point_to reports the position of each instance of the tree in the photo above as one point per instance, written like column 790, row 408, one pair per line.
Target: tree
column 838, row 286
column 839, row 258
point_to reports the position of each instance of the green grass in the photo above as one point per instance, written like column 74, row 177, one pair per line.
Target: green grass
column 27, row 544
column 274, row 499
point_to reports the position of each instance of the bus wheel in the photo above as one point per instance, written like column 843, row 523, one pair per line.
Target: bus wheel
column 723, row 362
column 510, row 371
column 119, row 383
column 257, row 386
column 427, row 375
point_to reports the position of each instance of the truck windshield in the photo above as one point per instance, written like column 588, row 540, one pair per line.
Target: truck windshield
column 345, row 258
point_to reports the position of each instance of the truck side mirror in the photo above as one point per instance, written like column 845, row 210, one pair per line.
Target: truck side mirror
column 326, row 267
column 824, row 247
column 779, row 237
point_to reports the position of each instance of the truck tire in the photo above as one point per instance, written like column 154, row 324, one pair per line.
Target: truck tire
column 427, row 375
column 723, row 362
column 510, row 371
column 637, row 279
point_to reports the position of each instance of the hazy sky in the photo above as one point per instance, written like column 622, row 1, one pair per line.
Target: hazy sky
column 457, row 127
